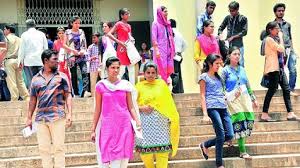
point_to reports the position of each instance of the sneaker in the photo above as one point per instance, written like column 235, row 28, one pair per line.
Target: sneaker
column 293, row 94
column 87, row 94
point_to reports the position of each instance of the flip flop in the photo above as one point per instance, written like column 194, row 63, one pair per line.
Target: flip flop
column 204, row 155
column 245, row 156
column 267, row 120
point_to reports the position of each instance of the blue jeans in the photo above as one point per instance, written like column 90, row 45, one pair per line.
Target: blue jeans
column 242, row 59
column 223, row 129
column 292, row 70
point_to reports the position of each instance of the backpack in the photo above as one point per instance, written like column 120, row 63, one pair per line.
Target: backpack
column 4, row 92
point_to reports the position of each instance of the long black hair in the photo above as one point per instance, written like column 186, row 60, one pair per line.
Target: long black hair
column 210, row 59
column 122, row 12
column 269, row 26
column 231, row 49
column 206, row 23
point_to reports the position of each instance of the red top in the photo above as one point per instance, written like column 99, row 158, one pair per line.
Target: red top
column 57, row 45
column 123, row 30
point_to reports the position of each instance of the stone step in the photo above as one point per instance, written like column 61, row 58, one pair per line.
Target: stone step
column 187, row 129
column 183, row 112
column 185, row 141
column 183, row 153
column 274, row 161
column 260, row 99
column 88, row 159
column 189, row 108
column 256, row 137
column 18, row 108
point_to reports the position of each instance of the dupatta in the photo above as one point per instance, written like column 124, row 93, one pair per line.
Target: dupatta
column 157, row 95
column 208, row 44
column 124, row 85
column 165, row 73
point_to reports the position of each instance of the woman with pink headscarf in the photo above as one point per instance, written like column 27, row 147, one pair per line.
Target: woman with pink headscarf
column 163, row 44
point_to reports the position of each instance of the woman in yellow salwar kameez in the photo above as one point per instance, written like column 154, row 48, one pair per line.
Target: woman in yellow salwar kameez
column 160, row 120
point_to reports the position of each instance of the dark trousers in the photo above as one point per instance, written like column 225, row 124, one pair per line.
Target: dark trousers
column 30, row 71
column 223, row 129
column 177, row 78
column 276, row 78
column 85, row 78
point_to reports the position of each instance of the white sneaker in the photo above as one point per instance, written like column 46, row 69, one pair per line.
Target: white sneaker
column 87, row 94
column 293, row 94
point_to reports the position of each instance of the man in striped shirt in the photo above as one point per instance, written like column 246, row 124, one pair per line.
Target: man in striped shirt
column 51, row 90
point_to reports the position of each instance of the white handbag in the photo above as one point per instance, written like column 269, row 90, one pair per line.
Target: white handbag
column 109, row 52
column 132, row 52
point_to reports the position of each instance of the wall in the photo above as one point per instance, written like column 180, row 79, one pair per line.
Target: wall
column 8, row 11
column 258, row 13
column 109, row 9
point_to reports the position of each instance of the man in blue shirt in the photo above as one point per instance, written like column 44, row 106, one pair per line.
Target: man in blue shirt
column 209, row 10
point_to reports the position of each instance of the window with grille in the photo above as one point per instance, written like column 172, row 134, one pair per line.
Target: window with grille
column 59, row 12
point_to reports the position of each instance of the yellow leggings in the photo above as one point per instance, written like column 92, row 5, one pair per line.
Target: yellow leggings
column 161, row 160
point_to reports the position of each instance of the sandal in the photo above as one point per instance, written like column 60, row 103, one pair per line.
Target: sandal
column 204, row 155
column 267, row 120
column 245, row 156
column 229, row 143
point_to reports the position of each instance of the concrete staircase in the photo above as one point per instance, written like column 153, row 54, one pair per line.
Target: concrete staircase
column 274, row 144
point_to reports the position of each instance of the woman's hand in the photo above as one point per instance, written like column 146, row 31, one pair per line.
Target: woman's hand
column 122, row 44
column 206, row 118
column 157, row 53
column 280, row 34
column 93, row 136
column 238, row 93
column 75, row 52
column 138, row 124
column 255, row 105
column 81, row 53
column 147, row 109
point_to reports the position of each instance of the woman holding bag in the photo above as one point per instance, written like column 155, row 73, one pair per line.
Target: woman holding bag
column 163, row 44
column 123, row 31
column 274, row 63
column 240, row 99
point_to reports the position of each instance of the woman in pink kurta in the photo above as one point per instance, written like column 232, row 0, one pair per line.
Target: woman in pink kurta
column 114, row 107
column 163, row 44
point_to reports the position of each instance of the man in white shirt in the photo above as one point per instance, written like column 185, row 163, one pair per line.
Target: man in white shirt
column 180, row 46
column 33, row 43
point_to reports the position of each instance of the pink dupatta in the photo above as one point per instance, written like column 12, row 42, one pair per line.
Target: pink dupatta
column 209, row 44
column 163, row 20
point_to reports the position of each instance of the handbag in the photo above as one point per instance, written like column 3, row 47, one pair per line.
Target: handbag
column 132, row 53
column 265, row 82
column 4, row 92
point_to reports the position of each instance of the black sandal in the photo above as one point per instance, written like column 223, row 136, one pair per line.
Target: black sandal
column 204, row 155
